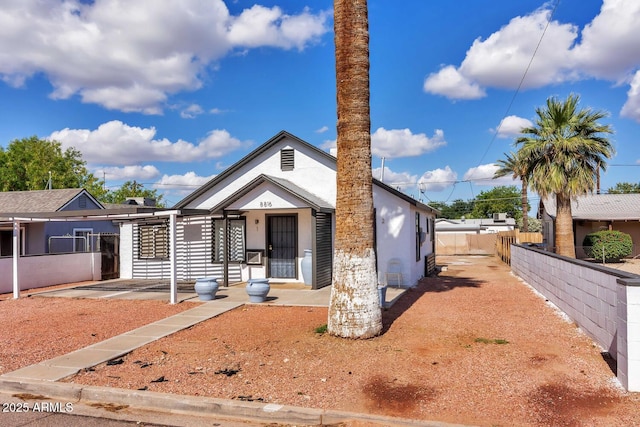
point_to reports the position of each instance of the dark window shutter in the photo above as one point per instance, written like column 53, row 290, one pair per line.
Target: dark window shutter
column 153, row 241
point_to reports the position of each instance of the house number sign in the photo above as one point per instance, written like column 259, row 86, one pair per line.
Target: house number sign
column 266, row 204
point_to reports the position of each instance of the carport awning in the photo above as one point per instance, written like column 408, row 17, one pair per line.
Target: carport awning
column 126, row 214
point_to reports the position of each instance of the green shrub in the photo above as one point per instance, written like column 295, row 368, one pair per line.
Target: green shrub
column 616, row 245
column 321, row 329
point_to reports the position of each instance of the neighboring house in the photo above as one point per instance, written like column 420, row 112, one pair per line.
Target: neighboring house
column 259, row 217
column 495, row 224
column 470, row 236
column 595, row 212
column 51, row 236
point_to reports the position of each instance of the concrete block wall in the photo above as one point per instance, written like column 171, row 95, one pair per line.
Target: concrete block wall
column 593, row 296
column 628, row 360
column 585, row 292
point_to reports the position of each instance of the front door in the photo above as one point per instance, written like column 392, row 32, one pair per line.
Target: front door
column 110, row 258
column 281, row 246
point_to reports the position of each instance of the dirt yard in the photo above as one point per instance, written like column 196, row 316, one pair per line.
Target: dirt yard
column 472, row 346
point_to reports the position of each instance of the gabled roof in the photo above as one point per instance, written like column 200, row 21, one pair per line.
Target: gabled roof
column 600, row 207
column 265, row 147
column 311, row 199
column 246, row 159
column 40, row 201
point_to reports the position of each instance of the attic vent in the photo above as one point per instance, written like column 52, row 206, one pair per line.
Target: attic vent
column 286, row 159
column 82, row 202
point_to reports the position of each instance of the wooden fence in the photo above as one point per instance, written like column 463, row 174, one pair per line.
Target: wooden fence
column 506, row 238
column 465, row 244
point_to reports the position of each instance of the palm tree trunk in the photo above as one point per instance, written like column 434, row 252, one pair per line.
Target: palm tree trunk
column 525, row 207
column 564, row 227
column 354, row 310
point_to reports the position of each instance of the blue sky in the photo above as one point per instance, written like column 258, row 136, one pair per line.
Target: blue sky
column 170, row 93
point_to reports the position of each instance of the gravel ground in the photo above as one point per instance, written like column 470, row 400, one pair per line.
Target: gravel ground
column 36, row 329
column 473, row 346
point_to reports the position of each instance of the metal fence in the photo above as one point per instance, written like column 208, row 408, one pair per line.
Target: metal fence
column 583, row 252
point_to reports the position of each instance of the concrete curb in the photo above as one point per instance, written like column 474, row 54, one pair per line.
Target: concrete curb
column 197, row 405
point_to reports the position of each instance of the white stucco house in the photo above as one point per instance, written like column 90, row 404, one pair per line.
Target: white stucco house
column 259, row 217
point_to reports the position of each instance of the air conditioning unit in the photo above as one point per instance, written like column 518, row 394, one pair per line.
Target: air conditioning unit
column 254, row 257
column 500, row 216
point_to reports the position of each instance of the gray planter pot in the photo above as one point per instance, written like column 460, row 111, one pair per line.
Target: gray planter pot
column 257, row 289
column 206, row 288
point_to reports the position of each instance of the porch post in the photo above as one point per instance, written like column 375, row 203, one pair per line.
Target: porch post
column 16, row 255
column 225, row 251
column 314, row 249
column 172, row 258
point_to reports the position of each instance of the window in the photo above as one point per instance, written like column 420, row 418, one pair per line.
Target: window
column 433, row 230
column 286, row 159
column 6, row 241
column 418, row 237
column 235, row 238
column 153, row 241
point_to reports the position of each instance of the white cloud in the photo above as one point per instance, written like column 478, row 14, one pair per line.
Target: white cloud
column 438, row 179
column 131, row 55
column 482, row 175
column 501, row 59
column 191, row 112
column 395, row 143
column 115, row 143
column 260, row 26
column 512, row 126
column 403, row 143
column 607, row 48
column 610, row 46
column 401, row 180
column 451, row 83
column 127, row 173
column 323, row 129
column 631, row 108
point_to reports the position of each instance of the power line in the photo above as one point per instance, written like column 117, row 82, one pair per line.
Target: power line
column 524, row 75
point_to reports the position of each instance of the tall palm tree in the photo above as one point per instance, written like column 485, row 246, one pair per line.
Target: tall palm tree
column 354, row 310
column 565, row 150
column 514, row 165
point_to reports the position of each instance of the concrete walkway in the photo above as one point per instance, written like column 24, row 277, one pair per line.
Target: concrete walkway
column 280, row 294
